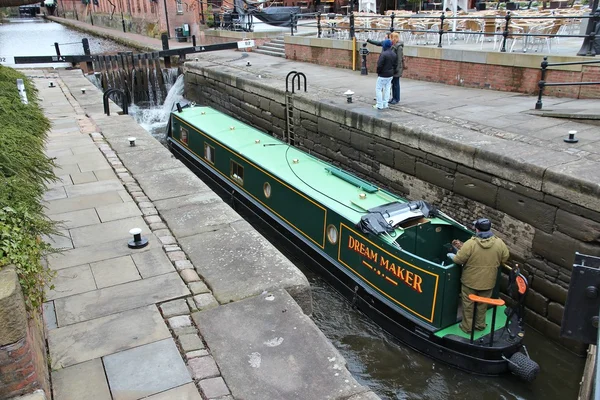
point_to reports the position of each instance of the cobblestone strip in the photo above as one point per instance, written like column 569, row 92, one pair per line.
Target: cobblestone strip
column 176, row 313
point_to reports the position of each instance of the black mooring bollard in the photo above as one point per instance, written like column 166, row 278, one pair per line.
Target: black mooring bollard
column 364, row 52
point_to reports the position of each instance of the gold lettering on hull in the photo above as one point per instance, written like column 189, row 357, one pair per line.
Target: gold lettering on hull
column 409, row 278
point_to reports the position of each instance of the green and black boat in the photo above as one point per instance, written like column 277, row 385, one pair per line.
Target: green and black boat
column 386, row 254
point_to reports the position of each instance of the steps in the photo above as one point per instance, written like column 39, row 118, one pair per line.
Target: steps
column 275, row 48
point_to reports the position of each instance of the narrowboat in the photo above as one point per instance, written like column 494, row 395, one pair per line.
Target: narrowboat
column 386, row 254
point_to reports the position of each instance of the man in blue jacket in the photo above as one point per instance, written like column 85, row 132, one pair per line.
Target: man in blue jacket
column 386, row 65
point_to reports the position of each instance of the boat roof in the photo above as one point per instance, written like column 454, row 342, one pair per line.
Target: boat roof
column 340, row 191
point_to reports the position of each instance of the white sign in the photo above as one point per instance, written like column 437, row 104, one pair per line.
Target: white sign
column 244, row 44
column 7, row 60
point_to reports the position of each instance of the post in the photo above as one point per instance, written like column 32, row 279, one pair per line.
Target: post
column 123, row 22
column 363, row 66
column 87, row 52
column 57, row 49
column 292, row 18
column 352, row 31
column 165, row 45
column 167, row 19
column 91, row 16
column 392, row 22
column 442, row 17
column 194, row 40
column 493, row 326
column 542, row 84
column 318, row 24
column 587, row 47
column 505, row 33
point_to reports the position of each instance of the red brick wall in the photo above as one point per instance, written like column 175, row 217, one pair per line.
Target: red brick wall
column 482, row 76
column 23, row 366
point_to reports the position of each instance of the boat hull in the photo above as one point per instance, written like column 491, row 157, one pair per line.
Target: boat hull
column 455, row 351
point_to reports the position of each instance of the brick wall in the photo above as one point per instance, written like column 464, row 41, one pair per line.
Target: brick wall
column 543, row 228
column 481, row 75
column 23, row 365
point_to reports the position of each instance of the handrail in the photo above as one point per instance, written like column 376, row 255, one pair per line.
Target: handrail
column 124, row 105
column 486, row 300
column 542, row 83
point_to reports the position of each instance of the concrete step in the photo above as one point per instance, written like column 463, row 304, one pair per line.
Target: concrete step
column 270, row 53
column 274, row 44
column 269, row 47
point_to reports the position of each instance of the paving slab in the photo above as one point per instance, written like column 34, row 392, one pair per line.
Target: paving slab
column 92, row 188
column 145, row 370
column 83, row 177
column 223, row 257
column 105, row 174
column 82, row 381
column 153, row 159
column 81, row 202
column 185, row 392
column 75, row 219
column 152, row 263
column 49, row 315
column 61, row 240
column 205, row 197
column 114, row 299
column 106, row 232
column 70, row 281
column 194, row 219
column 113, row 212
column 85, row 341
column 99, row 252
column 55, row 194
column 114, row 271
column 280, row 353
column 160, row 185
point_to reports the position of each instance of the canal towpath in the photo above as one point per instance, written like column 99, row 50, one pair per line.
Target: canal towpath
column 208, row 310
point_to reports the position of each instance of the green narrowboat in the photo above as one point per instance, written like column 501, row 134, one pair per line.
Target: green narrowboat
column 386, row 254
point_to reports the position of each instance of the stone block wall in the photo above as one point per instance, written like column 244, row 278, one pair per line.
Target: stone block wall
column 544, row 204
column 23, row 365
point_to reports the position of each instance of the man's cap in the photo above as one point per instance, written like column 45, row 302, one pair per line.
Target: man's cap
column 483, row 224
column 387, row 43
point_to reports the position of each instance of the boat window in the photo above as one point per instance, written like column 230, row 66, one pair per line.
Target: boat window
column 237, row 172
column 209, row 153
column 267, row 189
column 332, row 234
column 184, row 135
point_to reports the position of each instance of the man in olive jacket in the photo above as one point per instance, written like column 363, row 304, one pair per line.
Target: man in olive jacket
column 480, row 256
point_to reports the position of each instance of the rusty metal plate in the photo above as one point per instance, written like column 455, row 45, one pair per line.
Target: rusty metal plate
column 580, row 318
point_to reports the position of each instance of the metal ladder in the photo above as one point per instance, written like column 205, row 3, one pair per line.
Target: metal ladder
column 289, row 104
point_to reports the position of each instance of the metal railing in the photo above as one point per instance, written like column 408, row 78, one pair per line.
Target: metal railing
column 437, row 28
column 542, row 83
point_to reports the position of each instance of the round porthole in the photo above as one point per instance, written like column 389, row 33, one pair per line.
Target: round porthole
column 332, row 234
column 267, row 189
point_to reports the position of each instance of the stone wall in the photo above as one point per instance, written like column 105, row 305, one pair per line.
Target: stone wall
column 511, row 72
column 544, row 213
column 23, row 365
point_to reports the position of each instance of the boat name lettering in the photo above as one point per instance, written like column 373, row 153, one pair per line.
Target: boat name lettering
column 409, row 278
column 361, row 249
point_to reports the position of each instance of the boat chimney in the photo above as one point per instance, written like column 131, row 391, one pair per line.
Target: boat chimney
column 178, row 107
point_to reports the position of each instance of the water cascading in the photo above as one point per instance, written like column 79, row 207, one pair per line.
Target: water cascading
column 154, row 119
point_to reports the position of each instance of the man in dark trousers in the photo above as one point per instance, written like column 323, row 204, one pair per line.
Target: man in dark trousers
column 398, row 48
column 386, row 65
column 480, row 256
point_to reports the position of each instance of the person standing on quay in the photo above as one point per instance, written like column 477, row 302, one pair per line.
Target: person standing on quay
column 398, row 48
column 386, row 65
